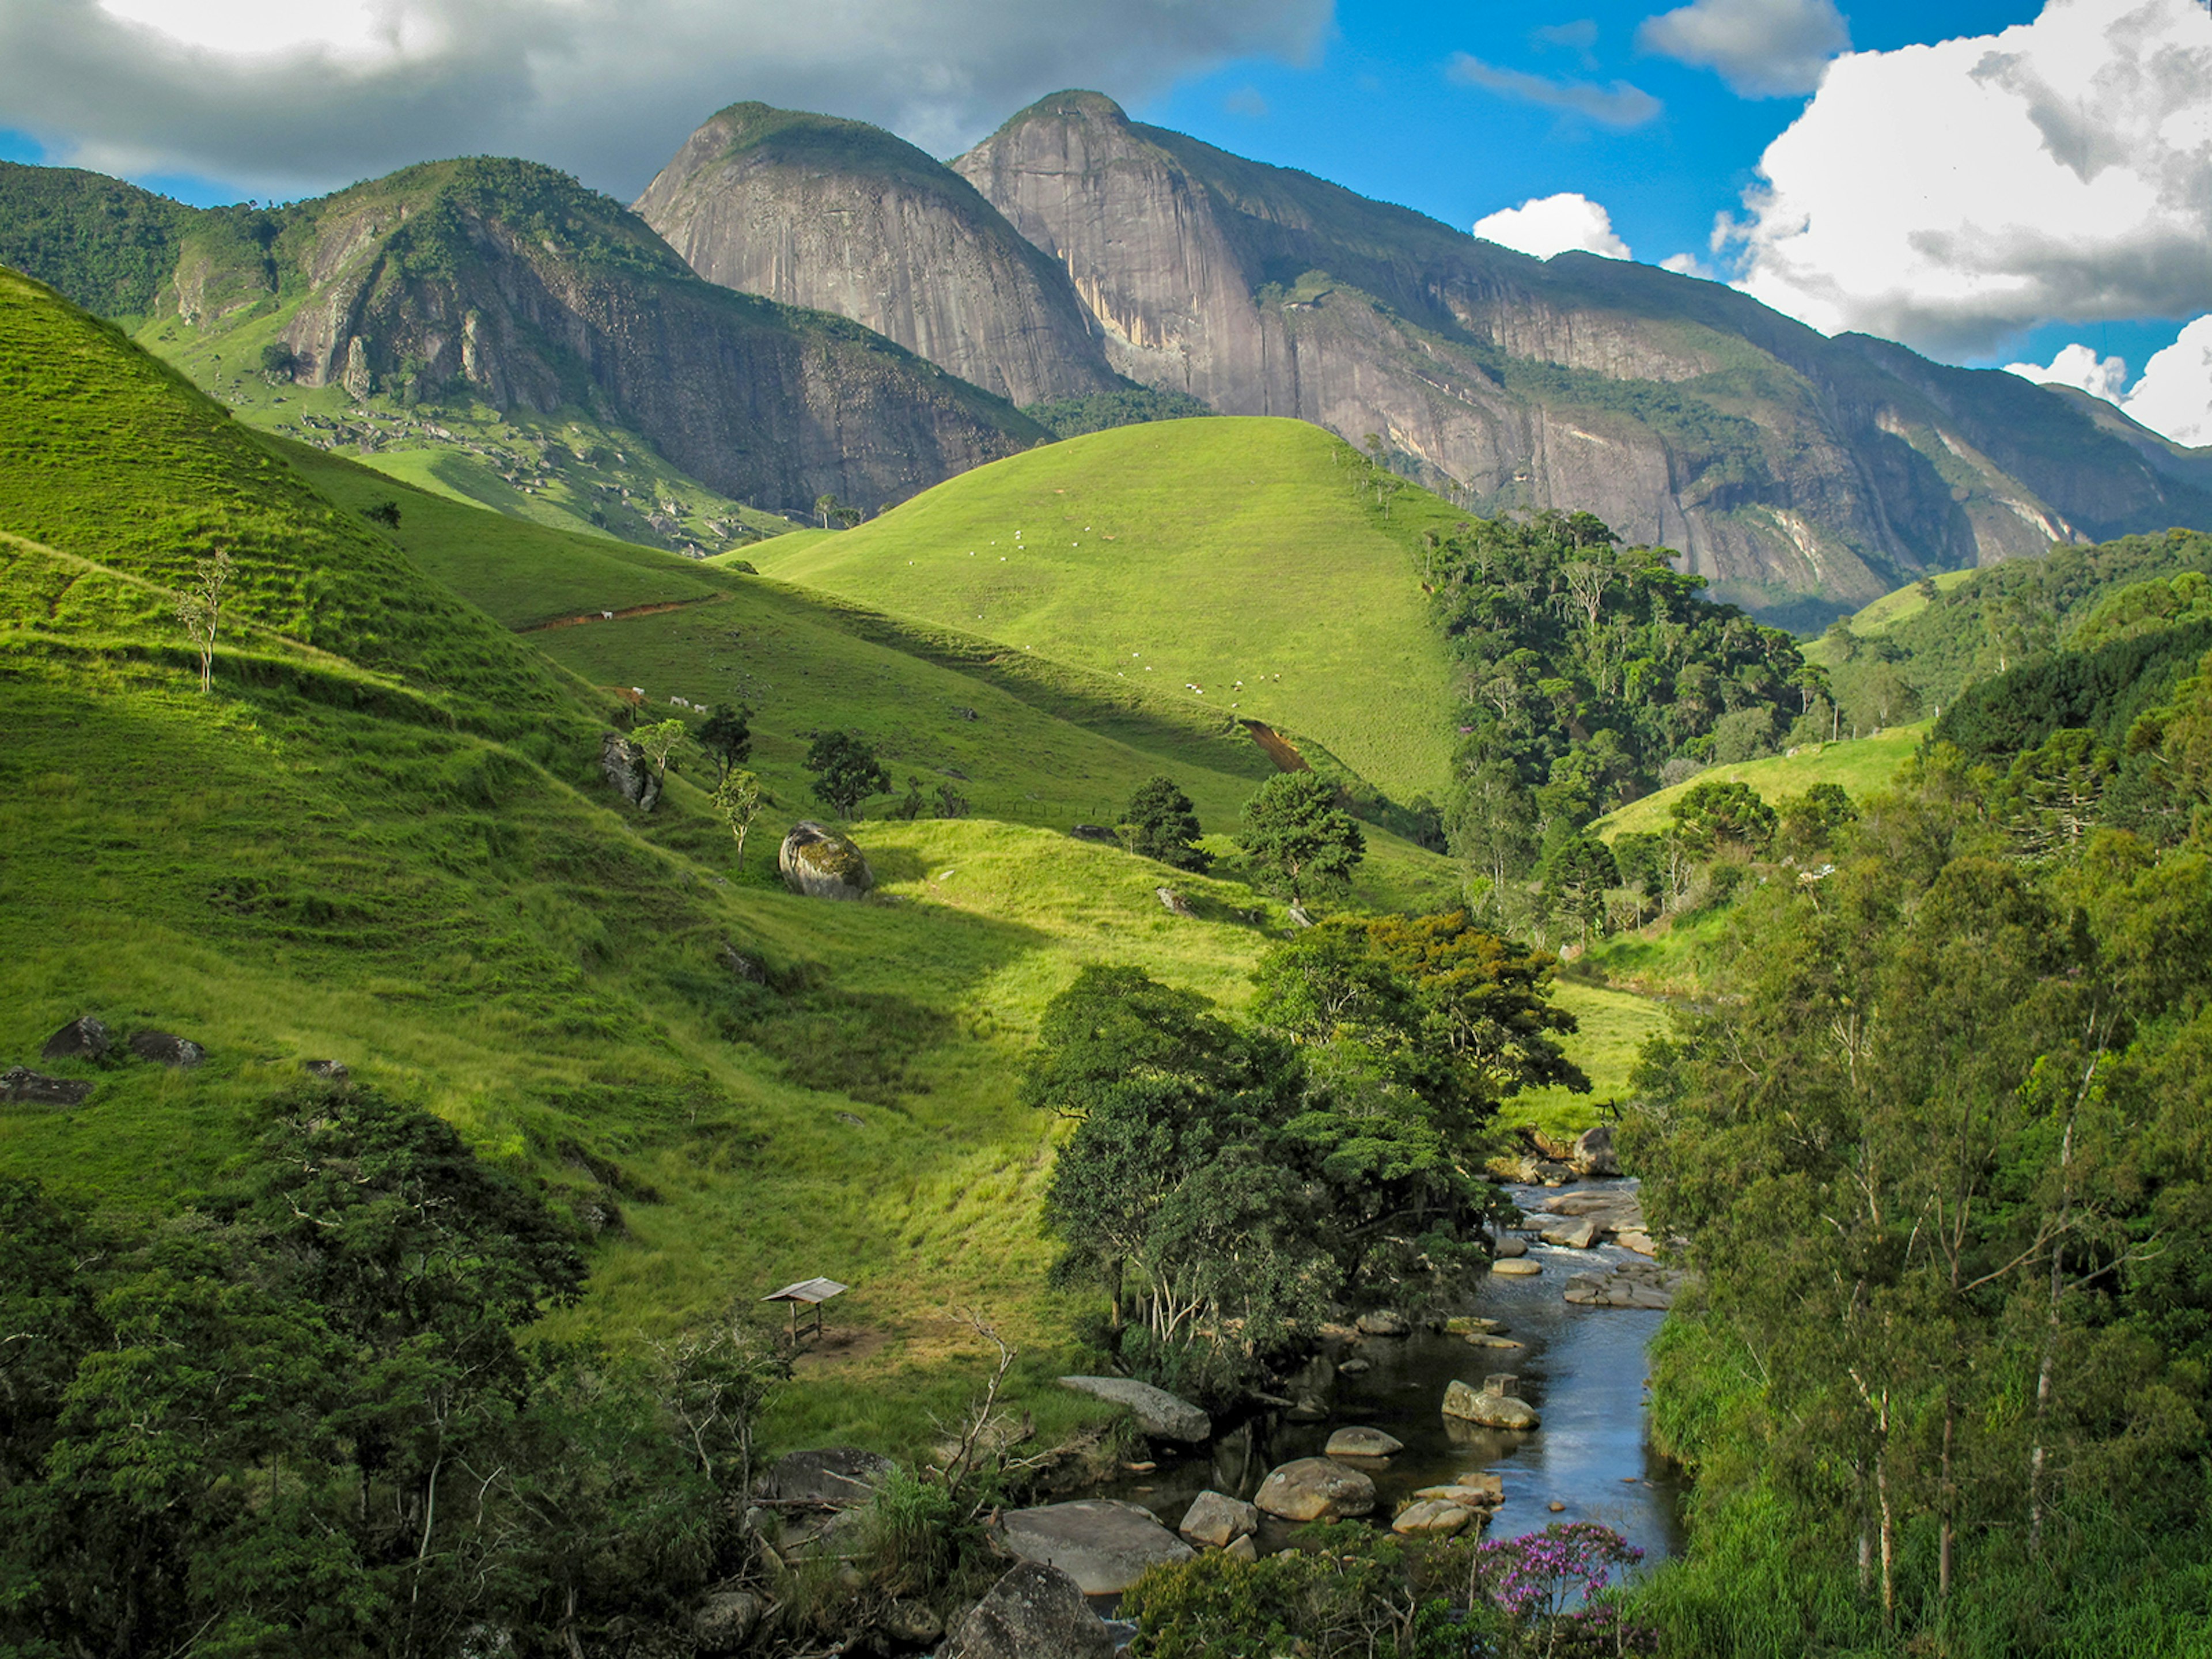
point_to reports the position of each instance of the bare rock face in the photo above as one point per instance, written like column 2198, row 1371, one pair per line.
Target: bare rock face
column 817, row 861
column 1848, row 468
column 538, row 294
column 845, row 217
column 628, row 772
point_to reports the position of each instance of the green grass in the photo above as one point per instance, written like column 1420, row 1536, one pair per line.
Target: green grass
column 383, row 840
column 1231, row 556
column 1885, row 612
column 1861, row 765
column 1614, row 1026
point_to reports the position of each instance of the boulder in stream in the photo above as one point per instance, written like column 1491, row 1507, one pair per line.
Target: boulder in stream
column 1517, row 1267
column 1035, row 1611
column 1217, row 1521
column 1102, row 1543
column 1577, row 1235
column 1316, row 1489
column 1491, row 1406
column 1360, row 1442
column 1158, row 1413
column 1432, row 1517
column 1593, row 1153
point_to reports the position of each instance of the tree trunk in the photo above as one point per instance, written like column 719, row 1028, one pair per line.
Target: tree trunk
column 1949, row 1499
column 1888, row 1539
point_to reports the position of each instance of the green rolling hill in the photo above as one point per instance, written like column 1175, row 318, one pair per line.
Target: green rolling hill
column 383, row 839
column 1225, row 562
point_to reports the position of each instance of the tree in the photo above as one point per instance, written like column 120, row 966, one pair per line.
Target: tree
column 1811, row 822
column 659, row 742
column 727, row 738
column 1713, row 816
column 846, row 771
column 1576, row 873
column 199, row 608
column 1163, row 824
column 825, row 505
column 1298, row 835
column 738, row 797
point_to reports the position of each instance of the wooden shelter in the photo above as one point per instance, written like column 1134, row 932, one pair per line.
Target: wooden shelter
column 807, row 1292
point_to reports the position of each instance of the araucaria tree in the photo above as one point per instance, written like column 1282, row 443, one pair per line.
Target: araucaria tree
column 1163, row 824
column 1299, row 836
column 846, row 771
column 199, row 608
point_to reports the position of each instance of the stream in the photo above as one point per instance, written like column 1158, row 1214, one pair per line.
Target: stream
column 1582, row 1369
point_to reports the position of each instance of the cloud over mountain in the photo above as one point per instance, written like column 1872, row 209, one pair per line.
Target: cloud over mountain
column 1953, row 195
column 1554, row 224
column 604, row 88
column 1617, row 104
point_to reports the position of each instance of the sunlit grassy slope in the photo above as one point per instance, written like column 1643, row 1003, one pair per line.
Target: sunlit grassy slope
column 1860, row 766
column 383, row 840
column 1885, row 612
column 1234, row 563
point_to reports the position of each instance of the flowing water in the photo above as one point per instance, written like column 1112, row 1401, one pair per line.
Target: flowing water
column 1582, row 1368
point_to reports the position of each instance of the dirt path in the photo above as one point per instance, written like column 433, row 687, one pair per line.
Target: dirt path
column 617, row 616
column 1279, row 748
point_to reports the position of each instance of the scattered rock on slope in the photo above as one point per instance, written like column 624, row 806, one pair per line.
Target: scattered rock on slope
column 1158, row 1413
column 817, row 861
column 21, row 1084
column 83, row 1038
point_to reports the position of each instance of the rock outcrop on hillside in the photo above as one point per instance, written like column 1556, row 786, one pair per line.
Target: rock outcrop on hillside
column 844, row 217
column 1799, row 473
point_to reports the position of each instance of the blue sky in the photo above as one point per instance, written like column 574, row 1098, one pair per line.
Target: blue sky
column 186, row 96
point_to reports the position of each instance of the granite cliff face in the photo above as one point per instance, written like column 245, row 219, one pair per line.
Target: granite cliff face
column 511, row 283
column 1801, row 474
column 844, row 217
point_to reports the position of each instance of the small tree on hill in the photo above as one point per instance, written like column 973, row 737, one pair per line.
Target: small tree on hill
column 738, row 797
column 199, row 607
column 659, row 742
column 846, row 771
column 1714, row 815
column 727, row 738
column 1298, row 835
column 1163, row 824
column 1576, row 873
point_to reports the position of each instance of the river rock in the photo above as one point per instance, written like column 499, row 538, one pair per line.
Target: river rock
column 1492, row 1408
column 166, row 1048
column 1572, row 1235
column 1217, row 1521
column 1632, row 1284
column 724, row 1621
column 20, row 1082
column 1158, row 1413
column 1469, row 1491
column 83, row 1038
column 1355, row 1366
column 1593, row 1153
column 1517, row 1267
column 1637, row 1240
column 832, row 1474
column 1473, row 1325
column 1508, row 1246
column 1357, row 1442
column 1243, row 1549
column 1484, row 1340
column 818, row 862
column 1382, row 1321
column 912, row 1623
column 628, row 772
column 1432, row 1517
column 1316, row 1489
column 1035, row 1611
column 1102, row 1543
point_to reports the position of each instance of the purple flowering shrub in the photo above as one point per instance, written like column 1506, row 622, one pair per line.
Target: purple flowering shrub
column 1546, row 1585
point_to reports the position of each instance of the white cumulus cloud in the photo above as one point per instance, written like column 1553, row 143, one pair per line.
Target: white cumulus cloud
column 1953, row 195
column 281, row 96
column 1761, row 48
column 2174, row 395
column 1554, row 224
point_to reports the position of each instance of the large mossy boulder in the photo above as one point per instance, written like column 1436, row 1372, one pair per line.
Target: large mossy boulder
column 817, row 861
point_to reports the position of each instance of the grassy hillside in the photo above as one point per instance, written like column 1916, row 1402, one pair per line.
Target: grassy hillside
column 1224, row 561
column 383, row 840
column 1861, row 766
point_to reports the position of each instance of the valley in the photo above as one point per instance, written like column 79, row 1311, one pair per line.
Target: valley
column 1417, row 818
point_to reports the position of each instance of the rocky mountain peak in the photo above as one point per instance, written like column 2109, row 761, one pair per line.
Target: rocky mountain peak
column 845, row 217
